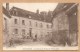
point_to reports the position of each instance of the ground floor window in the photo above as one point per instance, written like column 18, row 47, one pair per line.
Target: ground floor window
column 23, row 31
column 15, row 31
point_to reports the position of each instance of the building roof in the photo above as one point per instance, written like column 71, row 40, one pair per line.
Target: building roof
column 70, row 10
column 73, row 9
column 64, row 7
column 6, row 12
column 26, row 14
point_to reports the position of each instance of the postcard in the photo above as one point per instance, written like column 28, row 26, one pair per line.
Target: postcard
column 40, row 26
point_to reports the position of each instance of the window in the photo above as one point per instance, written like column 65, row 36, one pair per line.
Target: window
column 50, row 26
column 23, row 31
column 12, row 12
column 29, row 16
column 15, row 21
column 36, row 24
column 23, row 22
column 47, row 26
column 30, row 23
column 41, row 25
column 16, row 13
column 15, row 31
column 48, row 33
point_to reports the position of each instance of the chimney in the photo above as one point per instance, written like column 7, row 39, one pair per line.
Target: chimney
column 7, row 6
column 37, row 11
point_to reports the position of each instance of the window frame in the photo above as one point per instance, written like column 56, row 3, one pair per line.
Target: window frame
column 23, row 31
column 15, row 31
column 23, row 22
column 15, row 21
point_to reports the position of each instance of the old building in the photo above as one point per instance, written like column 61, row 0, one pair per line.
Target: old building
column 27, row 24
column 65, row 24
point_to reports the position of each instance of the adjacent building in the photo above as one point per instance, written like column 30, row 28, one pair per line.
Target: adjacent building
column 65, row 27
column 6, row 21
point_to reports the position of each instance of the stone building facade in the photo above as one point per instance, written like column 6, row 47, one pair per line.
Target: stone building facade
column 60, row 27
column 27, row 24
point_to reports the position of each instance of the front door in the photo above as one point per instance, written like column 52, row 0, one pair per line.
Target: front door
column 30, row 32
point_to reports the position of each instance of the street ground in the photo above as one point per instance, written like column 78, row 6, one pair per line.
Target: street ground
column 36, row 45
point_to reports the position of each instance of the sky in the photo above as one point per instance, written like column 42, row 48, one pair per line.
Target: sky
column 34, row 6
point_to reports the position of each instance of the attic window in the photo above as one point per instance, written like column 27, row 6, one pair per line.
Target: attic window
column 36, row 24
column 47, row 26
column 15, row 9
column 29, row 16
column 15, row 13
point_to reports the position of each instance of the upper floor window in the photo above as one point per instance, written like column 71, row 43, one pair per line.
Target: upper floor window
column 15, row 21
column 41, row 25
column 29, row 16
column 50, row 26
column 47, row 26
column 36, row 24
column 30, row 23
column 15, row 31
column 48, row 33
column 23, row 22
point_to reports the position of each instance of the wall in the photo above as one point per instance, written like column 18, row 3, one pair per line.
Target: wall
column 60, row 27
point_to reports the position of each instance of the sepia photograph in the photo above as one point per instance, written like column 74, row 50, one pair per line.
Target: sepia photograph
column 40, row 26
